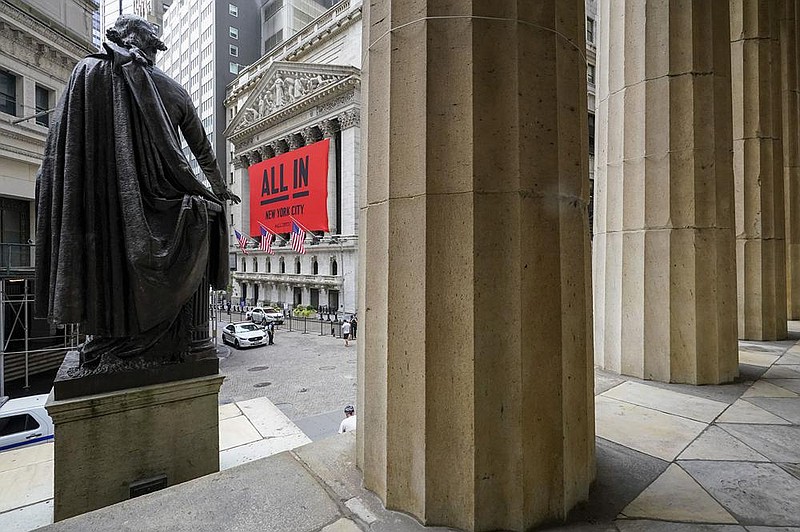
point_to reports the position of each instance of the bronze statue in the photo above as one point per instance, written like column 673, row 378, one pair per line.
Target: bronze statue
column 125, row 231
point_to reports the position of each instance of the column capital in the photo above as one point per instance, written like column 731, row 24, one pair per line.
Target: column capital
column 295, row 140
column 329, row 127
column 350, row 118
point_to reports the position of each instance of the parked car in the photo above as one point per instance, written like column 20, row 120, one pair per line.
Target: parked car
column 243, row 334
column 24, row 422
column 264, row 315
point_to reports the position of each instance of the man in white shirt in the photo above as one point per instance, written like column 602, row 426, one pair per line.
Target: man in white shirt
column 346, row 332
column 349, row 422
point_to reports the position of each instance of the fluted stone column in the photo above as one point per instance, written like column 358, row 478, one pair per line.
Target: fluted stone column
column 758, row 168
column 664, row 255
column 791, row 154
column 476, row 389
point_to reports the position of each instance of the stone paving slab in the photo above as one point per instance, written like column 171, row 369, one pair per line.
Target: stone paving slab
column 786, row 408
column 749, row 374
column 746, row 412
column 25, row 456
column 644, row 525
column 779, row 443
column 757, row 359
column 755, row 494
column 667, row 401
column 26, row 485
column 675, row 496
column 792, row 469
column 236, row 431
column 229, row 410
column 622, row 474
column 250, row 498
column 28, row 517
column 783, row 372
column 763, row 388
column 643, row 429
column 789, row 359
column 788, row 384
column 716, row 444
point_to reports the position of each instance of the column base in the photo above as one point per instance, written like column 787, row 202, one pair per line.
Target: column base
column 110, row 447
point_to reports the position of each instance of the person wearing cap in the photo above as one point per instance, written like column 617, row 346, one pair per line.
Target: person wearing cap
column 349, row 422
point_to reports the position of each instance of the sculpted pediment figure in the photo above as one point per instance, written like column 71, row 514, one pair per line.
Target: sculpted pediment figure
column 285, row 84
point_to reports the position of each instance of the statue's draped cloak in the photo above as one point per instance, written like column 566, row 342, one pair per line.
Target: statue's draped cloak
column 123, row 235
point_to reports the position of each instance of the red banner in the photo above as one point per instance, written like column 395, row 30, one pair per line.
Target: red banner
column 295, row 185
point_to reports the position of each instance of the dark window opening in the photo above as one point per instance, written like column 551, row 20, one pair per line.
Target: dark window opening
column 8, row 93
column 42, row 105
column 16, row 424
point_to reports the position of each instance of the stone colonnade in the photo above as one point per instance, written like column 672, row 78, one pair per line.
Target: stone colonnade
column 683, row 227
column 475, row 373
column 292, row 141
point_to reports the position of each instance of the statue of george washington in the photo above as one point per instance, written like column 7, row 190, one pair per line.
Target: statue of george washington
column 125, row 232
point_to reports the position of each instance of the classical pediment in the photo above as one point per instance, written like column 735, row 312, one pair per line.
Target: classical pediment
column 287, row 86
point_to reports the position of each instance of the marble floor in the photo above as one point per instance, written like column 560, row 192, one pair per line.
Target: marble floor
column 711, row 458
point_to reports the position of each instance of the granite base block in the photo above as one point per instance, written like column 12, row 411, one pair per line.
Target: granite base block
column 107, row 443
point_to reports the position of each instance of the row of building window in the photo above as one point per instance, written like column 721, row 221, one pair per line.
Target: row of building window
column 297, row 266
column 9, row 89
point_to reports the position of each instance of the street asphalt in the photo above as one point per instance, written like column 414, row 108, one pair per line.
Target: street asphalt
column 309, row 377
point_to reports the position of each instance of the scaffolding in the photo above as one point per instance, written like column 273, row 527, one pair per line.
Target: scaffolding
column 28, row 345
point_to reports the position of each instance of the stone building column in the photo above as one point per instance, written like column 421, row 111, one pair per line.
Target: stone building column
column 758, row 168
column 791, row 154
column 350, row 122
column 474, row 296
column 664, row 254
column 329, row 129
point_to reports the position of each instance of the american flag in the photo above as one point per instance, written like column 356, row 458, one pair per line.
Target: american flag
column 242, row 240
column 266, row 239
column 298, row 237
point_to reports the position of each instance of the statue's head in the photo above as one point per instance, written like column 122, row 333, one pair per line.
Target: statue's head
column 131, row 31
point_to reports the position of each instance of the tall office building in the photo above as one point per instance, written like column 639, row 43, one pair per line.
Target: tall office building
column 207, row 42
column 280, row 19
column 152, row 10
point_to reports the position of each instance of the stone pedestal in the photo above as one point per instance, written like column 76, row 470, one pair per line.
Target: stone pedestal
column 664, row 253
column 142, row 438
column 475, row 369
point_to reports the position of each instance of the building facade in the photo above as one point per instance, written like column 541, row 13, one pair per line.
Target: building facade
column 320, row 66
column 40, row 43
column 207, row 43
column 326, row 276
column 152, row 10
column 281, row 19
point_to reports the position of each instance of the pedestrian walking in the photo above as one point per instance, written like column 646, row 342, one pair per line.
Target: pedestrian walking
column 271, row 332
column 348, row 424
column 353, row 327
column 346, row 332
